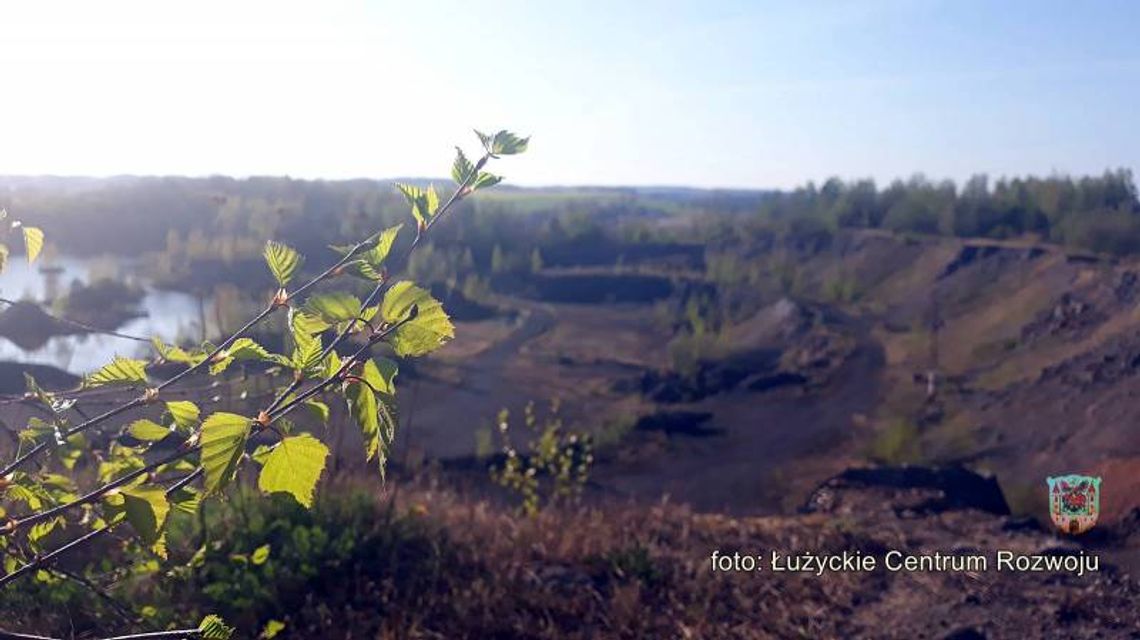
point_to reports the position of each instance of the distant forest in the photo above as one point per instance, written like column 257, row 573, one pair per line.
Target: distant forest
column 1097, row 213
column 219, row 218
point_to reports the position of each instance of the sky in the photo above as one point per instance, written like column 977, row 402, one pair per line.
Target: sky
column 711, row 93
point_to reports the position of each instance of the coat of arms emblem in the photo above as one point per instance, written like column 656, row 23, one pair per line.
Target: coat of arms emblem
column 1074, row 502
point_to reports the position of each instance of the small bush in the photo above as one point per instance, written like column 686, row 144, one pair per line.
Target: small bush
column 898, row 443
column 554, row 466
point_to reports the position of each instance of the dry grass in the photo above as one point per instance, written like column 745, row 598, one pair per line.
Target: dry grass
column 625, row 334
column 438, row 565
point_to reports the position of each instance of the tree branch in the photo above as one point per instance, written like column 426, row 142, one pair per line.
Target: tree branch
column 275, row 411
column 176, row 634
column 79, row 325
column 142, row 400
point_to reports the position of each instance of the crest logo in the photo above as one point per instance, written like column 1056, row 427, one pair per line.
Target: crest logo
column 1074, row 502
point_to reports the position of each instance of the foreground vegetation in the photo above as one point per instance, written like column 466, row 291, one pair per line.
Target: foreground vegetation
column 70, row 487
column 427, row 562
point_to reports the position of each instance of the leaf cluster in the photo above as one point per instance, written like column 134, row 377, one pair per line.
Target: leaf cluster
column 338, row 345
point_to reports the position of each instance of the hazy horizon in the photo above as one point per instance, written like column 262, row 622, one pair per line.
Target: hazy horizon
column 736, row 95
column 445, row 180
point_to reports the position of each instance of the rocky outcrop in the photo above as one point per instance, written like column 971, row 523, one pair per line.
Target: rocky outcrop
column 907, row 490
column 1069, row 318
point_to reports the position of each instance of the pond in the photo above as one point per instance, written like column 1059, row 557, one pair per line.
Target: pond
column 168, row 314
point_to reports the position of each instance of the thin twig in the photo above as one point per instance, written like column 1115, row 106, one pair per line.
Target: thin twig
column 94, row 494
column 126, row 614
column 44, row 560
column 176, row 634
column 276, row 411
column 185, row 480
column 15, row 464
column 137, row 402
column 77, row 324
column 41, row 561
column 381, row 286
column 120, row 609
column 12, row 635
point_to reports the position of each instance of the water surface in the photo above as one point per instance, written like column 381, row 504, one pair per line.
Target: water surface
column 170, row 315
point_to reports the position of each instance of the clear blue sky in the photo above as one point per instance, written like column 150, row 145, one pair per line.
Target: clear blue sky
column 707, row 93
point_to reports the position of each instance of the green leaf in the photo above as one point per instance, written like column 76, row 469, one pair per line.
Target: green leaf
column 503, row 143
column 240, row 349
column 260, row 555
column 432, row 204
column 294, row 466
column 261, row 454
column 485, row 140
column 362, row 269
column 364, row 410
column 214, row 629
column 371, row 263
column 417, row 199
column 33, row 242
column 486, row 180
column 380, row 374
column 410, row 191
column 376, row 419
column 158, row 548
column 462, row 168
column 306, row 352
column 378, row 254
column 427, row 331
column 119, row 371
column 57, row 481
column 172, row 353
column 334, row 306
column 23, row 494
column 223, row 440
column 186, row 500
column 332, row 364
column 272, row 628
column 184, row 413
column 319, row 410
column 74, row 448
column 40, row 530
column 37, row 392
column 147, row 431
column 387, row 416
column 424, row 203
column 247, row 349
column 506, row 143
column 307, row 323
column 37, row 430
column 146, row 509
column 283, row 261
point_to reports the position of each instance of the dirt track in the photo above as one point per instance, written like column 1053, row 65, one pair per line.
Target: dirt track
column 440, row 417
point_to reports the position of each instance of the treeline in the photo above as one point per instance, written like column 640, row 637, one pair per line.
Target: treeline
column 225, row 217
column 1100, row 213
column 190, row 221
column 128, row 216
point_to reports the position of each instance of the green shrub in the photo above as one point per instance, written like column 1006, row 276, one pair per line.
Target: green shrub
column 898, row 443
column 554, row 466
column 67, row 492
